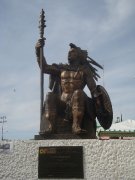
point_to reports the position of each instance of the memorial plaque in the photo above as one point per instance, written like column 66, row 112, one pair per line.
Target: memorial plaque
column 60, row 162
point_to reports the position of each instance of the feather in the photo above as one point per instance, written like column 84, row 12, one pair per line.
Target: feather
column 94, row 62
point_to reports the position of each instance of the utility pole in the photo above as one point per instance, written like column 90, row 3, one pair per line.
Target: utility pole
column 3, row 121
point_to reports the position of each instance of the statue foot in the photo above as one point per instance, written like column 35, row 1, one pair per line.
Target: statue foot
column 50, row 131
column 42, row 133
column 65, row 120
column 79, row 131
column 83, row 131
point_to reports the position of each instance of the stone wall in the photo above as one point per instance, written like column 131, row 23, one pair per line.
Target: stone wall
column 103, row 160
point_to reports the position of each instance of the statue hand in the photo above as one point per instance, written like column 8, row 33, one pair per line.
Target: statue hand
column 40, row 43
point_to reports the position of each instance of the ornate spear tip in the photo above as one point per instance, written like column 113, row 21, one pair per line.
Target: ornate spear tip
column 42, row 11
column 42, row 23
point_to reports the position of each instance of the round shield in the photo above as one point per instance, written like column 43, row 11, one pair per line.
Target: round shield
column 104, row 112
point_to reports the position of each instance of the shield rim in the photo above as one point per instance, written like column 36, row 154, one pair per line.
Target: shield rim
column 105, row 122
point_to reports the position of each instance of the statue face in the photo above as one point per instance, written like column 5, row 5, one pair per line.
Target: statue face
column 72, row 55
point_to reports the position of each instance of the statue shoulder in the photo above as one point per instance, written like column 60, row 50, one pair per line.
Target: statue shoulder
column 59, row 66
column 63, row 66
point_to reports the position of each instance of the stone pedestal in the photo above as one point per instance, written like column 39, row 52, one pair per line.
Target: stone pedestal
column 62, row 136
column 108, row 159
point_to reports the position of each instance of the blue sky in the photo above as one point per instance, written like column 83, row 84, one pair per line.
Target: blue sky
column 105, row 28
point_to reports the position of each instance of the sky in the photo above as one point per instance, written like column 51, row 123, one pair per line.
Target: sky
column 106, row 29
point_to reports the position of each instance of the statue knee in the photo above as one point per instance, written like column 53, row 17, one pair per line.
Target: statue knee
column 78, row 114
column 78, row 99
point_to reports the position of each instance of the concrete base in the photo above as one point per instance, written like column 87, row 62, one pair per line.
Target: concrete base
column 102, row 160
column 63, row 136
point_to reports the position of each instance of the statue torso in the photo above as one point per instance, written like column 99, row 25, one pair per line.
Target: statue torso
column 71, row 81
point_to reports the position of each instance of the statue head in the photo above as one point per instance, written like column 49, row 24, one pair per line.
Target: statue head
column 77, row 54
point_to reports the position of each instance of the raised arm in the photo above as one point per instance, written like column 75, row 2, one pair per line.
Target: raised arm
column 48, row 69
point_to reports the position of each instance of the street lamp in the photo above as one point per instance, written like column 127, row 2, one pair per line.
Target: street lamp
column 3, row 121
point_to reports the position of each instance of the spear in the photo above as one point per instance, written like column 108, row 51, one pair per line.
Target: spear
column 41, row 29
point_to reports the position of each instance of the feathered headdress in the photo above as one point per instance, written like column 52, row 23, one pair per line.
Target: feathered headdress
column 85, row 59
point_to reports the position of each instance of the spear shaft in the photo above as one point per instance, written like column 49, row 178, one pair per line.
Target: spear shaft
column 41, row 28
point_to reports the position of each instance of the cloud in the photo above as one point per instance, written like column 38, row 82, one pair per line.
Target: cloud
column 118, row 12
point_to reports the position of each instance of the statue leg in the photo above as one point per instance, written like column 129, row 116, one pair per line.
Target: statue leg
column 50, row 112
column 78, row 103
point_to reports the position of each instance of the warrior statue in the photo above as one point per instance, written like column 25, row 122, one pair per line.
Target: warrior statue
column 67, row 102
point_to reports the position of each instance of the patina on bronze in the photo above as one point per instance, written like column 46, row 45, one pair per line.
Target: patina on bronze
column 60, row 162
column 67, row 108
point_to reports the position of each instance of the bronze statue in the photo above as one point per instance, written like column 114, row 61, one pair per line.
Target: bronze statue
column 67, row 103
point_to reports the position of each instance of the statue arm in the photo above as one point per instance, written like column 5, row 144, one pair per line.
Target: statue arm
column 48, row 69
column 96, row 95
column 91, row 84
